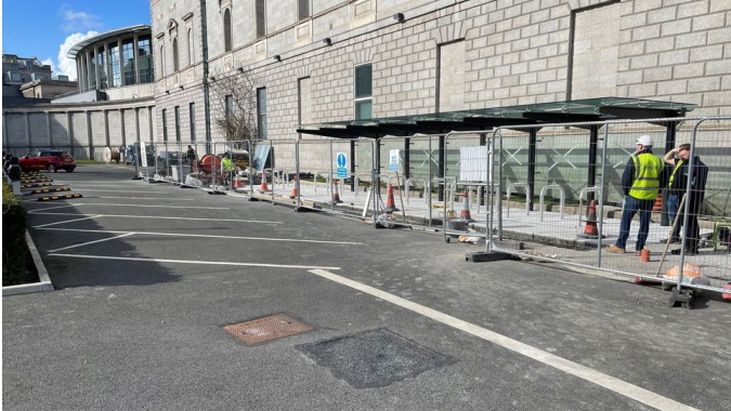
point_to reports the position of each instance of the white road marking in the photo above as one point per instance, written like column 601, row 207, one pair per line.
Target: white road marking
column 91, row 242
column 149, row 206
column 142, row 198
column 233, row 237
column 64, row 221
column 199, row 262
column 589, row 374
column 224, row 220
column 35, row 210
column 74, row 188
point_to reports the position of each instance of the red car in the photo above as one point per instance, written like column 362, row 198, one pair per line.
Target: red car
column 51, row 160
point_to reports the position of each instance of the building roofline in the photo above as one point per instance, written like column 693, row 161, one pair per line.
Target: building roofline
column 73, row 51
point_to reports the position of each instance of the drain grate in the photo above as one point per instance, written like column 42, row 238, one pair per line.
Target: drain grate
column 375, row 358
column 266, row 329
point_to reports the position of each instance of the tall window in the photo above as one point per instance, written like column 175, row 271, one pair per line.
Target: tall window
column 101, row 67
column 303, row 9
column 116, row 79
column 261, row 112
column 176, row 60
column 227, row 30
column 260, row 18
column 128, row 61
column 164, row 126
column 92, row 71
column 363, row 92
column 177, row 123
column 162, row 61
column 144, row 61
column 191, row 117
column 190, row 47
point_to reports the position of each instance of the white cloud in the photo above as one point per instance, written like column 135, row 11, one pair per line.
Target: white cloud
column 67, row 66
column 79, row 20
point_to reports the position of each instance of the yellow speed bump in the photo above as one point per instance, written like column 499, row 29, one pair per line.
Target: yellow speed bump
column 49, row 190
column 60, row 197
column 35, row 185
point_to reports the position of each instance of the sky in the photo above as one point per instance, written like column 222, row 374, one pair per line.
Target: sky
column 47, row 29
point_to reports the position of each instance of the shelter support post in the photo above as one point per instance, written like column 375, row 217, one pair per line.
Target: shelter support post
column 591, row 179
column 532, row 137
column 407, row 158
column 352, row 166
column 440, row 168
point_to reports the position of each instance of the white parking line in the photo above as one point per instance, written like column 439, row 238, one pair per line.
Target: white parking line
column 223, row 220
column 135, row 191
column 199, row 262
column 149, row 206
column 232, row 237
column 589, row 374
column 35, row 210
column 91, row 242
column 143, row 198
column 64, row 221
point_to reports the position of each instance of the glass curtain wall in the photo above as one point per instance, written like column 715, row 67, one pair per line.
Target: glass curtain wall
column 144, row 59
column 101, row 68
column 113, row 58
column 128, row 60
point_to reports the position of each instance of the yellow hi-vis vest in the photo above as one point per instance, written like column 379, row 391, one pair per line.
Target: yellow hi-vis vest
column 675, row 170
column 647, row 176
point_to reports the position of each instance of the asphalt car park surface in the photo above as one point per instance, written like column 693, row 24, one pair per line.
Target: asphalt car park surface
column 147, row 276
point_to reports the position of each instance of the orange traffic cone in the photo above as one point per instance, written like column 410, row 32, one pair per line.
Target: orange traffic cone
column 590, row 229
column 390, row 202
column 294, row 193
column 237, row 182
column 263, row 187
column 335, row 195
column 465, row 212
column 657, row 206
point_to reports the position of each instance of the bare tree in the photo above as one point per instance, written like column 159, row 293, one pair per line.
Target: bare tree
column 234, row 102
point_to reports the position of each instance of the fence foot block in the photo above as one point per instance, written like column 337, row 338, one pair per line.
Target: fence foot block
column 684, row 297
column 483, row 257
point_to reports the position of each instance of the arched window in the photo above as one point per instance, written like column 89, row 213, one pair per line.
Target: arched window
column 162, row 61
column 176, row 65
column 227, row 30
column 190, row 47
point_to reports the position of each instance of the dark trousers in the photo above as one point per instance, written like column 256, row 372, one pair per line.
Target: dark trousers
column 631, row 207
column 692, row 230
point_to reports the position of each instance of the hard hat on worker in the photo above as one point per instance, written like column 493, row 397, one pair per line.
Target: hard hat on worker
column 645, row 140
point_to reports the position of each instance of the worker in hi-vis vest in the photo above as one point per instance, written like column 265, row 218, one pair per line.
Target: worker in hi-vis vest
column 643, row 176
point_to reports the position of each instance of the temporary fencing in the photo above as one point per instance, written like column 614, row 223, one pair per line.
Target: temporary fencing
column 569, row 165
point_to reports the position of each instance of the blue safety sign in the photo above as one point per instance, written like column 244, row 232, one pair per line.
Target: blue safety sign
column 342, row 168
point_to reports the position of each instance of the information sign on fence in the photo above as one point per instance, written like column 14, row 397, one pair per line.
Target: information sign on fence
column 342, row 165
column 473, row 163
column 143, row 155
column 394, row 160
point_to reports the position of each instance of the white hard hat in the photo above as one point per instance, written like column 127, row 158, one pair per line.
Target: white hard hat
column 645, row 140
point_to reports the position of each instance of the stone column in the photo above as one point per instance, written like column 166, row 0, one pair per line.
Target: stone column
column 70, row 122
column 137, row 124
column 48, row 127
column 106, row 128
column 122, row 128
column 27, row 131
column 149, row 118
column 88, row 135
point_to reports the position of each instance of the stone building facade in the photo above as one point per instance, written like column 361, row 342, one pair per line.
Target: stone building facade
column 432, row 56
column 113, row 105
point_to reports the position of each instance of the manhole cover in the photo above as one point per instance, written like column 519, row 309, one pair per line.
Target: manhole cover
column 375, row 358
column 266, row 329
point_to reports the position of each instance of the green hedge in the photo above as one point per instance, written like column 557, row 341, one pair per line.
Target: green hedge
column 18, row 267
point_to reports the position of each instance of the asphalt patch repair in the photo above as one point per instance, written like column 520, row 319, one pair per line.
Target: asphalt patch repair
column 375, row 358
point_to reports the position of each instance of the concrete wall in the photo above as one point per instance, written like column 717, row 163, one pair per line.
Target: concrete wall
column 78, row 128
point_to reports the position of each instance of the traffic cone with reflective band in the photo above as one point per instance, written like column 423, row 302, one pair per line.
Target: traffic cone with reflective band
column 657, row 206
column 465, row 212
column 294, row 193
column 237, row 182
column 264, row 187
column 390, row 202
column 726, row 295
column 590, row 229
column 335, row 194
